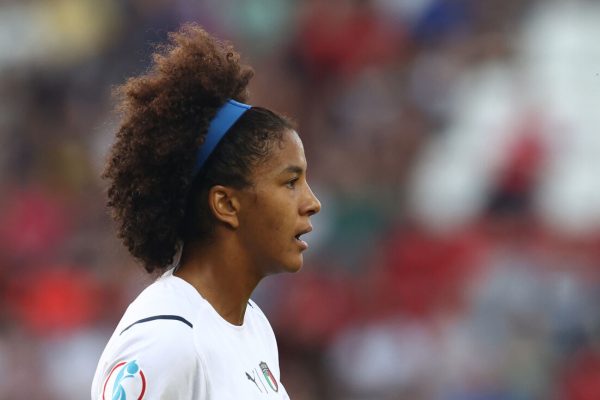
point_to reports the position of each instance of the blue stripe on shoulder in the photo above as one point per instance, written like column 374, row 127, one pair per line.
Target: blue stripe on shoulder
column 168, row 317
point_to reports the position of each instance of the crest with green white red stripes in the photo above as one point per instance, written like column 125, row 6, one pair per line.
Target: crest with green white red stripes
column 269, row 376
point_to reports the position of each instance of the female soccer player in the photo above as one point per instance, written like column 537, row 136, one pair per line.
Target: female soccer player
column 217, row 188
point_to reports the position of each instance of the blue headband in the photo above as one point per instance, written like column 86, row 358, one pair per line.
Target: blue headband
column 226, row 116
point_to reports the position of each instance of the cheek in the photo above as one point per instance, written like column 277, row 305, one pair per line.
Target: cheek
column 277, row 217
column 275, row 221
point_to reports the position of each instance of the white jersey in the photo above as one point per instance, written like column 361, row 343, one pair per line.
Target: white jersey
column 172, row 344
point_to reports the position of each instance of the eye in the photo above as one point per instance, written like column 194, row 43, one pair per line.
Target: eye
column 292, row 183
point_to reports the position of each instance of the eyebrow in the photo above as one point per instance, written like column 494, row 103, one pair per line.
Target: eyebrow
column 294, row 169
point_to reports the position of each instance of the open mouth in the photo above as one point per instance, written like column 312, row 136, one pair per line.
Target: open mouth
column 300, row 234
column 301, row 242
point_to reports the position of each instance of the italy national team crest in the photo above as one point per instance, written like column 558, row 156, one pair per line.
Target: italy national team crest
column 269, row 376
column 126, row 381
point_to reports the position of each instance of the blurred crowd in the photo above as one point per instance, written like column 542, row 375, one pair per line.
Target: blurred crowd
column 453, row 145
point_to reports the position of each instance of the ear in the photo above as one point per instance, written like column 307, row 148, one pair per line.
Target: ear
column 224, row 204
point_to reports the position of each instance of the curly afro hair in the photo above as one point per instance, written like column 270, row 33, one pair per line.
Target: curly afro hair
column 155, row 199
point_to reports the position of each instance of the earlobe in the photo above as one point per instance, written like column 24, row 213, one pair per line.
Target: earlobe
column 224, row 205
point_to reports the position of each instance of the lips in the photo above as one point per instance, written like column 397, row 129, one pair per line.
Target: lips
column 301, row 242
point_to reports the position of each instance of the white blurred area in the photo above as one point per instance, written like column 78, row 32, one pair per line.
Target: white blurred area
column 453, row 146
column 547, row 90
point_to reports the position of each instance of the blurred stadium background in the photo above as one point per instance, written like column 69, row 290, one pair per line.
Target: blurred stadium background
column 454, row 145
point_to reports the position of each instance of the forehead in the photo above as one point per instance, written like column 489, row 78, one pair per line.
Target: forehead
column 285, row 153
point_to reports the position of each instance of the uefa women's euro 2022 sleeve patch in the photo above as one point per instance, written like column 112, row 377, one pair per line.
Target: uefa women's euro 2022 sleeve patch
column 125, row 381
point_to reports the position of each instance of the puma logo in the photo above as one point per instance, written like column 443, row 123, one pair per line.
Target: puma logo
column 253, row 380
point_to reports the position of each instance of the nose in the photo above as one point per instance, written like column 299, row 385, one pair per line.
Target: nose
column 313, row 205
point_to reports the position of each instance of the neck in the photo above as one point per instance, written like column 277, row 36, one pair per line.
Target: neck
column 222, row 274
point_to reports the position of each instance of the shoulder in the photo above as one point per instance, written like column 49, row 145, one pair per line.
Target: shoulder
column 166, row 296
column 159, row 321
column 160, row 334
column 158, row 357
column 154, row 347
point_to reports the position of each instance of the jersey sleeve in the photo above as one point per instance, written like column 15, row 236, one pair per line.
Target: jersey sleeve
column 156, row 359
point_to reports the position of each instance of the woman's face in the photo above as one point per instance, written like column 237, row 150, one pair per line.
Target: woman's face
column 276, row 209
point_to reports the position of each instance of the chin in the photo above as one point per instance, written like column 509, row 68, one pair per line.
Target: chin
column 293, row 265
column 287, row 265
column 294, row 269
